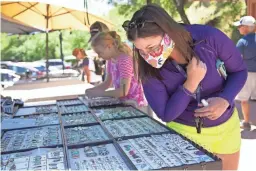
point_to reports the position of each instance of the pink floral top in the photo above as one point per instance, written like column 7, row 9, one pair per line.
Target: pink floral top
column 123, row 68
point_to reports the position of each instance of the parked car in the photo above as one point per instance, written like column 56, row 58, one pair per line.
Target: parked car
column 41, row 73
column 57, row 63
column 8, row 78
column 23, row 70
column 55, row 72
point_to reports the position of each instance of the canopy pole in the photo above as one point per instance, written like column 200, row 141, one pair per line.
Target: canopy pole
column 47, row 39
column 87, row 15
column 61, row 51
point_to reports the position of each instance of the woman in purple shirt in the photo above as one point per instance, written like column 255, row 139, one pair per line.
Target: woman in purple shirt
column 179, row 66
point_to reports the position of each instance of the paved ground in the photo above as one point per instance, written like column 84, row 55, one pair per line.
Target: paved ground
column 43, row 90
column 248, row 148
column 70, row 87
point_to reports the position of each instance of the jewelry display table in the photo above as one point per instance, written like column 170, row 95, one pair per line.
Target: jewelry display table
column 96, row 134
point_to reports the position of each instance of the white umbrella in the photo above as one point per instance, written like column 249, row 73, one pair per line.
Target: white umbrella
column 9, row 25
column 49, row 17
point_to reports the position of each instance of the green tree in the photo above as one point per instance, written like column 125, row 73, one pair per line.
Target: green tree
column 225, row 14
column 222, row 16
column 32, row 47
column 123, row 12
column 180, row 5
column 134, row 5
column 173, row 7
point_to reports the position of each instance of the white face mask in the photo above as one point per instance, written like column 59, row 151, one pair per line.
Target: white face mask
column 157, row 57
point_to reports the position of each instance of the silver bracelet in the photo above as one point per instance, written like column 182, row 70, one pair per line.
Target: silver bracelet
column 187, row 92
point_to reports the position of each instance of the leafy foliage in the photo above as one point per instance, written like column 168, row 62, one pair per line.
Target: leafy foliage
column 226, row 13
column 32, row 47
column 123, row 12
column 134, row 5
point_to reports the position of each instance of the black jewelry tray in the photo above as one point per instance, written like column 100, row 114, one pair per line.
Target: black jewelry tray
column 118, row 106
column 61, row 112
column 32, row 148
column 127, row 161
column 102, row 105
column 153, row 133
column 85, row 124
column 27, row 150
column 37, row 113
column 213, row 165
column 34, row 126
column 108, row 135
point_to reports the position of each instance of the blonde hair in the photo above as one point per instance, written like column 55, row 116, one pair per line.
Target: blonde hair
column 111, row 37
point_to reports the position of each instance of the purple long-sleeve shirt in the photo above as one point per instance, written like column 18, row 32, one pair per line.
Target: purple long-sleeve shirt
column 171, row 102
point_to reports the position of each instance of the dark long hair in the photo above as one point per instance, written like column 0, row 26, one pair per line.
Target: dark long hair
column 152, row 20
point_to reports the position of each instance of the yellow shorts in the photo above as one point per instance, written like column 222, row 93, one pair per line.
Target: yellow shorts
column 221, row 139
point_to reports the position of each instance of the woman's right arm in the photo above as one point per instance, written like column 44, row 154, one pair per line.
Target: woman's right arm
column 170, row 106
column 167, row 107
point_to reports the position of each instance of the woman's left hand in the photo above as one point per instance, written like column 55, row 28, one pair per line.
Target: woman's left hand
column 217, row 106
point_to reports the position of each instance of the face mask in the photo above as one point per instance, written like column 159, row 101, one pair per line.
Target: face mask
column 158, row 56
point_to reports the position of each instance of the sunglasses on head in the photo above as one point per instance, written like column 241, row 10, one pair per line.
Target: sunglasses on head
column 137, row 24
column 94, row 30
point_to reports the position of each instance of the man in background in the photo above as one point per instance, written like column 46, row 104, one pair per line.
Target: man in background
column 247, row 46
column 99, row 64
